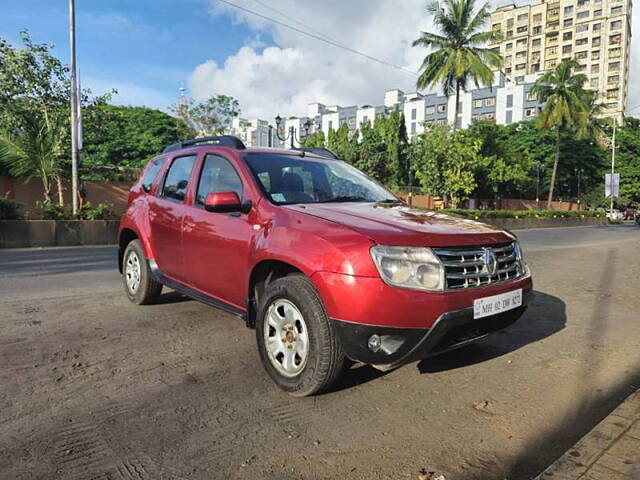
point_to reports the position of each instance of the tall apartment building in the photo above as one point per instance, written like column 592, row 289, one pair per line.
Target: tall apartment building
column 596, row 33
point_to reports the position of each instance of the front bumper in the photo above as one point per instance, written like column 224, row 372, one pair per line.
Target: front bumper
column 451, row 330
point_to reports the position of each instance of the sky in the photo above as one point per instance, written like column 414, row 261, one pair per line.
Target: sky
column 148, row 49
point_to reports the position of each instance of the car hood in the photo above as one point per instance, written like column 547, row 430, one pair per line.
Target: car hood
column 406, row 226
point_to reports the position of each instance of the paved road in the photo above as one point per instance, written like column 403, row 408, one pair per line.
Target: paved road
column 94, row 387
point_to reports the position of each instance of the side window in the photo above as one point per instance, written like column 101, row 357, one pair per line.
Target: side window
column 177, row 179
column 218, row 175
column 151, row 173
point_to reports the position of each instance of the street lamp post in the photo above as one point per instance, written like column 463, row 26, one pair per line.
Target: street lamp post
column 538, row 185
column 292, row 136
column 74, row 108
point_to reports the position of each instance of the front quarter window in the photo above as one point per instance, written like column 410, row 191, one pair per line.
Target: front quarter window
column 288, row 179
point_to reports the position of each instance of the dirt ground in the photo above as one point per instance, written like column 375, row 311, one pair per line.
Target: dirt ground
column 93, row 387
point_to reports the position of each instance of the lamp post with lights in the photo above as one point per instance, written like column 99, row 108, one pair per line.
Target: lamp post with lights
column 292, row 135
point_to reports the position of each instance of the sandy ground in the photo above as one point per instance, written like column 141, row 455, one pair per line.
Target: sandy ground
column 93, row 387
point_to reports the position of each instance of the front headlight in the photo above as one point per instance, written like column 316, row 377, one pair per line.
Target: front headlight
column 409, row 267
column 517, row 250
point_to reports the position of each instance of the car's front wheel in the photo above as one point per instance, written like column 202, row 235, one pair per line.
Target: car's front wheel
column 139, row 285
column 297, row 341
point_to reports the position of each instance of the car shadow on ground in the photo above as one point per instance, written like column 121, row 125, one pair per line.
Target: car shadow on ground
column 171, row 296
column 545, row 316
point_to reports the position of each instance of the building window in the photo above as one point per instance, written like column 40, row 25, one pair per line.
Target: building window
column 595, row 41
column 567, row 36
column 617, row 25
column 581, row 55
column 550, row 64
column 489, row 102
column 568, row 10
column 554, row 11
column 330, row 124
column 593, row 83
column 552, row 50
column 521, row 43
column 617, row 38
column 522, row 29
column 612, row 105
column 595, row 68
column 537, row 30
column 581, row 68
column 566, row 49
column 616, row 10
column 523, row 16
column 530, row 112
column 535, row 68
column 536, row 42
column 583, row 14
column 614, row 52
column 510, row 22
column 595, row 55
column 509, row 101
column 509, row 33
column 414, row 113
column 430, row 110
column 507, row 70
column 596, row 27
column 582, row 3
column 531, row 96
column 365, row 119
column 520, row 79
column 567, row 22
column 582, row 28
column 477, row 103
column 413, row 127
column 613, row 79
column 614, row 67
column 509, row 46
column 582, row 41
column 442, row 108
column 597, row 13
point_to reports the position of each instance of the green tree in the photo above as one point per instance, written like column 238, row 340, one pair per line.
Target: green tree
column 210, row 117
column 32, row 150
column 119, row 139
column 393, row 133
column 343, row 144
column 459, row 54
column 564, row 109
column 448, row 163
column 627, row 160
column 315, row 139
column 372, row 157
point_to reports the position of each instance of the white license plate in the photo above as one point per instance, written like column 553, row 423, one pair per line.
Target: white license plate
column 483, row 307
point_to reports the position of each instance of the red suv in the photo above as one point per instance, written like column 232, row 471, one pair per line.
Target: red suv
column 321, row 260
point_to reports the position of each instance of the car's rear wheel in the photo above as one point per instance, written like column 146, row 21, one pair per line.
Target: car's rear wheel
column 139, row 285
column 297, row 341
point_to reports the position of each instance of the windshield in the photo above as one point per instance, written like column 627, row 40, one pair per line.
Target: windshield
column 288, row 179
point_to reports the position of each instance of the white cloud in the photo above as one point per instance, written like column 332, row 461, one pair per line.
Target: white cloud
column 299, row 70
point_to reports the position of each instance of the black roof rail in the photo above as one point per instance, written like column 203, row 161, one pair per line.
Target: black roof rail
column 323, row 152
column 222, row 140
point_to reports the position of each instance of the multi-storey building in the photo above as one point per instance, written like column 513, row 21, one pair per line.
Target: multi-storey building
column 596, row 33
column 255, row 132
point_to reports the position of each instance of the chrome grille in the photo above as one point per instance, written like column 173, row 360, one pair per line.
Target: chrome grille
column 468, row 267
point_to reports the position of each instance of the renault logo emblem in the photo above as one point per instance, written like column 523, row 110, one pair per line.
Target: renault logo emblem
column 489, row 260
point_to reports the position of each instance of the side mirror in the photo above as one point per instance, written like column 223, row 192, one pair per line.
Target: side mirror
column 223, row 202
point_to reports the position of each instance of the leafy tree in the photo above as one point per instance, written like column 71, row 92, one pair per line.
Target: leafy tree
column 564, row 97
column 210, row 117
column 119, row 139
column 315, row 139
column 345, row 146
column 448, row 164
column 372, row 157
column 33, row 149
column 627, row 160
column 459, row 55
column 393, row 132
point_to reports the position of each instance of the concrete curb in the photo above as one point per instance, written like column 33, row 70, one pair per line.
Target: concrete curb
column 52, row 233
column 610, row 451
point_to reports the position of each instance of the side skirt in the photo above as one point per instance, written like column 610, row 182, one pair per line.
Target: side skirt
column 158, row 276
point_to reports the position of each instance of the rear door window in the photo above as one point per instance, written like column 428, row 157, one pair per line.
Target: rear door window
column 177, row 179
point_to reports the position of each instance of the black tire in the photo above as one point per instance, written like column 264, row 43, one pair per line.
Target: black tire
column 325, row 357
column 148, row 290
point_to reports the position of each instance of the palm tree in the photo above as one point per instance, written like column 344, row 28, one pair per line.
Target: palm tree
column 33, row 150
column 565, row 106
column 459, row 54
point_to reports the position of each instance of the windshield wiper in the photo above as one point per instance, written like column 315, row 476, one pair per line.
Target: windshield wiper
column 345, row 198
column 389, row 201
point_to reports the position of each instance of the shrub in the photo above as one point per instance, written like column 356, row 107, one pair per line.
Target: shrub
column 9, row 209
column 52, row 211
column 479, row 214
